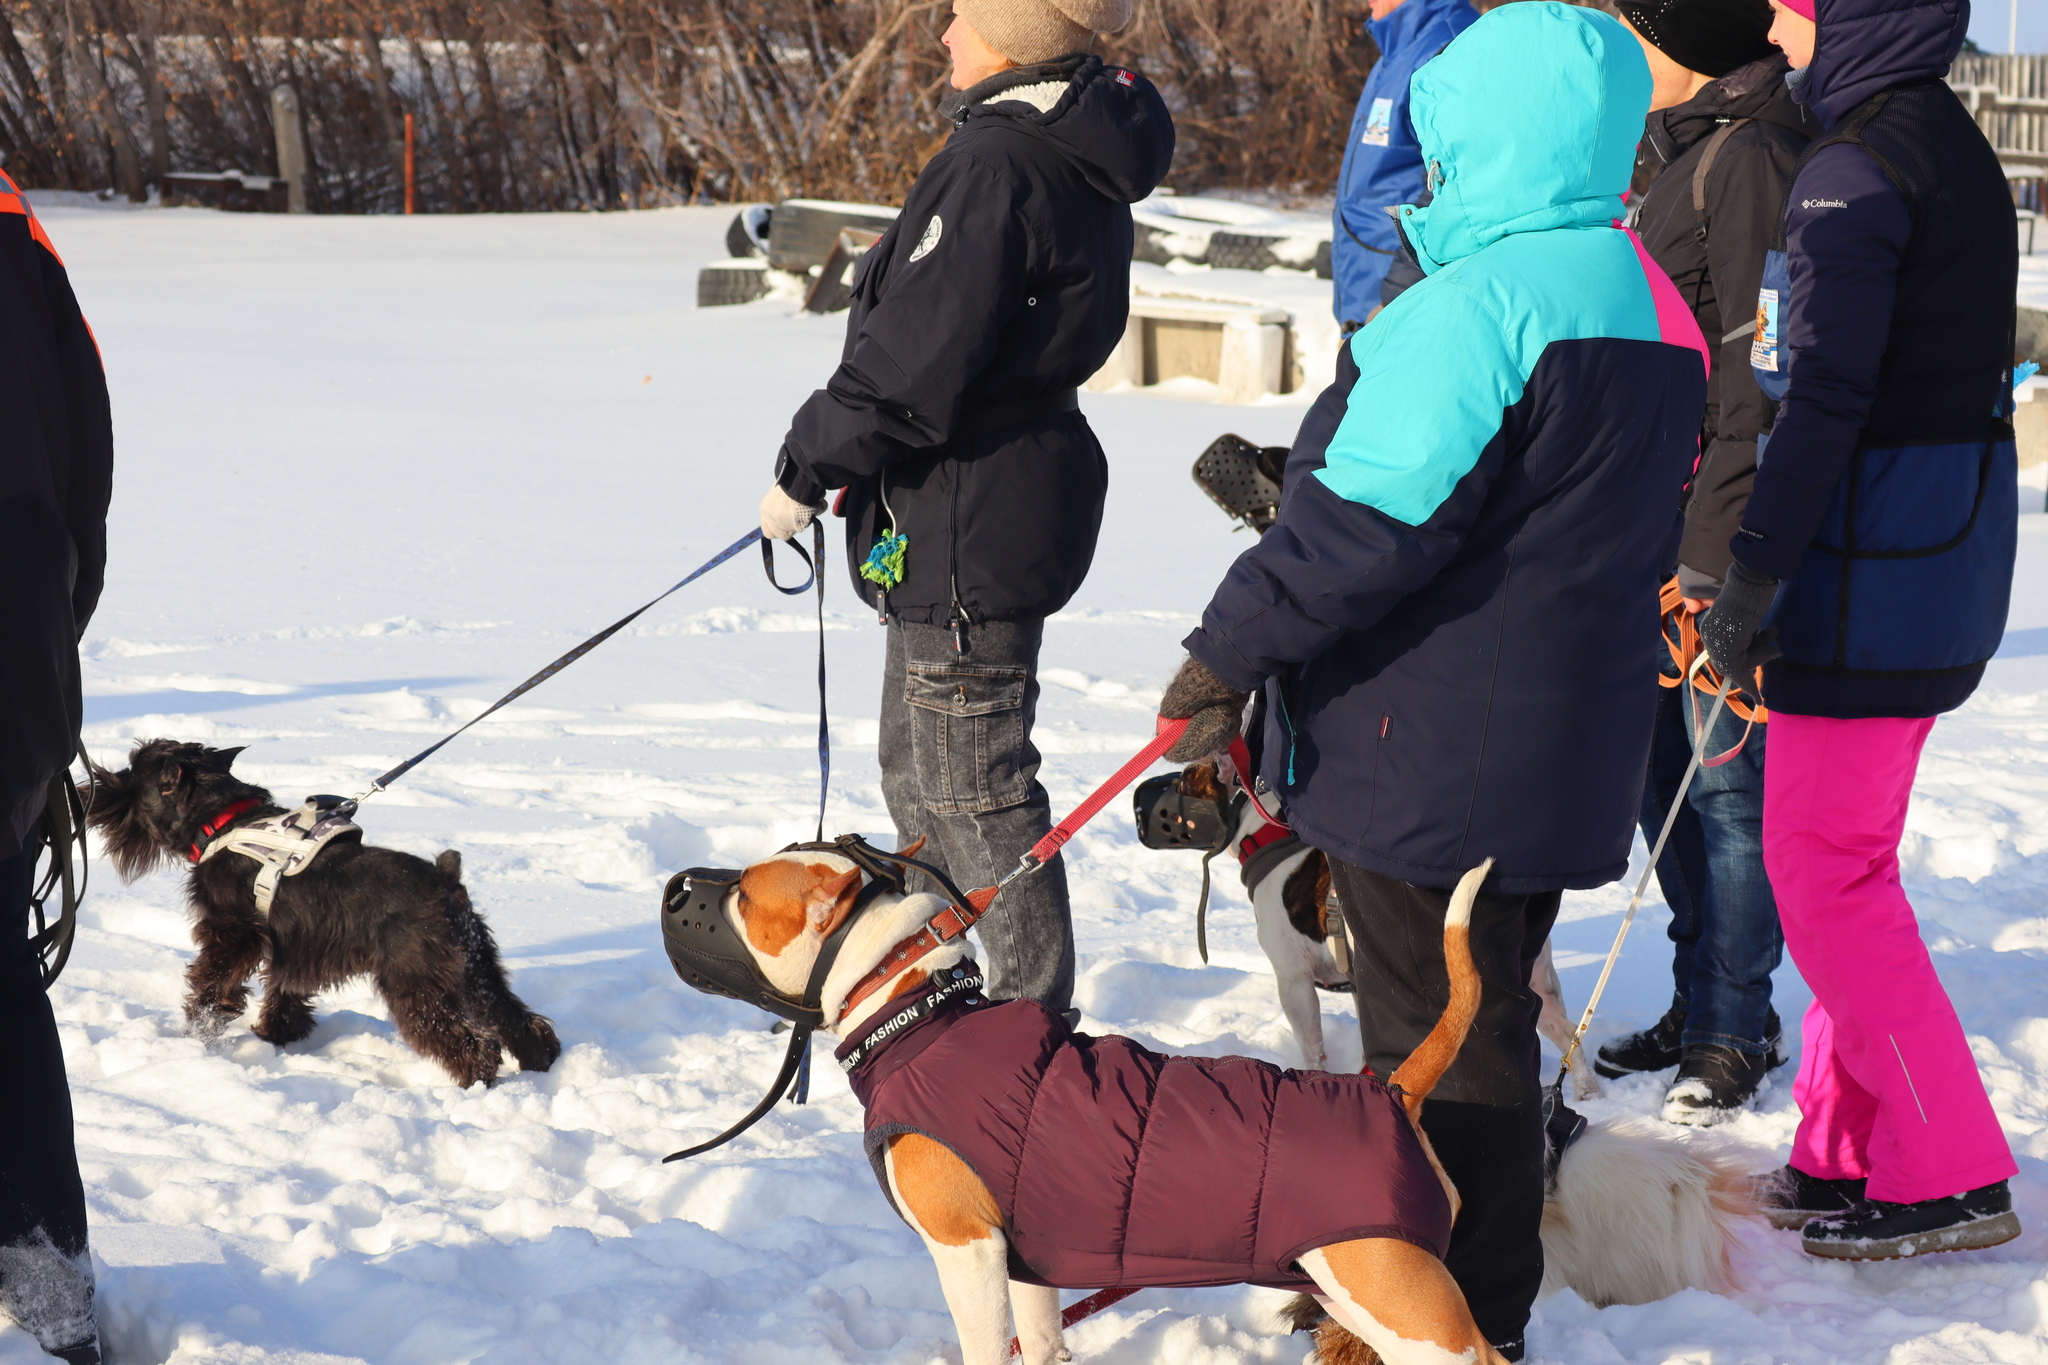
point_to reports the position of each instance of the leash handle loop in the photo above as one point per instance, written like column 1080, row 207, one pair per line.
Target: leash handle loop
column 558, row 665
column 815, row 562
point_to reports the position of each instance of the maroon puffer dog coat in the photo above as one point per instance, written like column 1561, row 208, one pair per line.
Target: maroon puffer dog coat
column 1113, row 1165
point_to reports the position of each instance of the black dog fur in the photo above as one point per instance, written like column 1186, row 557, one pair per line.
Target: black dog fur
column 358, row 910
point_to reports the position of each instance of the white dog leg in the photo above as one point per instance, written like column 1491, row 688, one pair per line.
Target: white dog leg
column 1421, row 1317
column 1293, row 959
column 1037, row 1311
column 951, row 1210
column 1555, row 1024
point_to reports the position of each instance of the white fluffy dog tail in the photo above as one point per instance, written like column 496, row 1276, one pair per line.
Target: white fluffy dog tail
column 1639, row 1214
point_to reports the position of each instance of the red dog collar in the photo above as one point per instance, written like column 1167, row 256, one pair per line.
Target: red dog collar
column 212, row 828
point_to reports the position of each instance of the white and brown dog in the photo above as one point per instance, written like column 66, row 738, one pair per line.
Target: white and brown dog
column 1301, row 930
column 1635, row 1215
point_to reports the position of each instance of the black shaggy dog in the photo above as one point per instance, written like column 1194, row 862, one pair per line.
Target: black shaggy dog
column 357, row 910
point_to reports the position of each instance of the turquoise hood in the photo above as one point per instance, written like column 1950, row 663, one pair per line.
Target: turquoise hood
column 1528, row 121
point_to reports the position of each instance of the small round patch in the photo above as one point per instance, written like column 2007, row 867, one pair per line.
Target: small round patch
column 932, row 232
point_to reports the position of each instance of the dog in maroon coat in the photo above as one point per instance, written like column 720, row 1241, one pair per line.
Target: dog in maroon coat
column 1031, row 1158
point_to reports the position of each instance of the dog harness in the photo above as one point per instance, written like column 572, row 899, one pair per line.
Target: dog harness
column 1116, row 1165
column 284, row 845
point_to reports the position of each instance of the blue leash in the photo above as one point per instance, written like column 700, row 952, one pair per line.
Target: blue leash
column 816, row 566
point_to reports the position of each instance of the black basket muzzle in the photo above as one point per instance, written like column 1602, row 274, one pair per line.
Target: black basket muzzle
column 1169, row 818
column 705, row 947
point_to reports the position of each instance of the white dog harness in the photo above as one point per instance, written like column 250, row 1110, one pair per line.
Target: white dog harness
column 286, row 844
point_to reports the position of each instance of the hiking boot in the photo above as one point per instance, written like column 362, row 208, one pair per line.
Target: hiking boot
column 1790, row 1198
column 1879, row 1230
column 1713, row 1083
column 85, row 1353
column 1652, row 1049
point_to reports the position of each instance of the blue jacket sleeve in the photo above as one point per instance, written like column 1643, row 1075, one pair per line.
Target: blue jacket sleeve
column 1405, row 475
column 1845, row 228
column 1382, row 166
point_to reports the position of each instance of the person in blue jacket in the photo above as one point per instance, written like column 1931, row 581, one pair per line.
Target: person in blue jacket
column 1454, row 612
column 1879, row 538
column 1382, row 163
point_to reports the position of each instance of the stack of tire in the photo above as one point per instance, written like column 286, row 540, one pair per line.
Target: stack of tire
column 793, row 237
column 1228, row 236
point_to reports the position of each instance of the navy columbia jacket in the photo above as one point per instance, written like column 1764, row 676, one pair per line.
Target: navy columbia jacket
column 1458, row 603
column 1885, row 491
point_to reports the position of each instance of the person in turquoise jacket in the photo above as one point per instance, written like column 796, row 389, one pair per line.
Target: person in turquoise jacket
column 1449, row 614
column 1382, row 161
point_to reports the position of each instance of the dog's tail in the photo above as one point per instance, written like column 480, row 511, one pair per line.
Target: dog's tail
column 1425, row 1066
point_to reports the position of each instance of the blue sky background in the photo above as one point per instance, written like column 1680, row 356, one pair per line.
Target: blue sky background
column 1988, row 20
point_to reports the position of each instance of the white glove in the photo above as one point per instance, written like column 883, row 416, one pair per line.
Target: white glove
column 783, row 517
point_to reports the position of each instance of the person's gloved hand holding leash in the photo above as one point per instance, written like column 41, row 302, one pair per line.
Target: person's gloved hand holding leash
column 782, row 516
column 1213, row 709
column 1731, row 628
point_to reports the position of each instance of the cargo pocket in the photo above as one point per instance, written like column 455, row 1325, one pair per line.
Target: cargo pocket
column 967, row 736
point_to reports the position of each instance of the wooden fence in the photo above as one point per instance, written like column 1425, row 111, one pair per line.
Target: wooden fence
column 2009, row 97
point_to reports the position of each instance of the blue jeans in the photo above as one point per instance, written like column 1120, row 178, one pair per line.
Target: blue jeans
column 1725, row 936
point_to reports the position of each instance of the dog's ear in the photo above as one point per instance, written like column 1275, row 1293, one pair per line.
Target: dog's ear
column 1200, row 780
column 831, row 901
column 113, row 810
column 915, row 845
column 220, row 760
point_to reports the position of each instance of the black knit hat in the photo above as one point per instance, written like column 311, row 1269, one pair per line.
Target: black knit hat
column 1712, row 37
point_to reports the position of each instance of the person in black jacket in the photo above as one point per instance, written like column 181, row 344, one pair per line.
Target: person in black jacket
column 974, row 487
column 56, row 470
column 1721, row 143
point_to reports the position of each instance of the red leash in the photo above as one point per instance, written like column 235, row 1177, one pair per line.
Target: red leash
column 1086, row 1308
column 956, row 920
column 1042, row 852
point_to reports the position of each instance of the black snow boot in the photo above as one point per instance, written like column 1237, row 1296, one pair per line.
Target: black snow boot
column 1790, row 1198
column 1652, row 1049
column 1878, row 1230
column 1713, row 1083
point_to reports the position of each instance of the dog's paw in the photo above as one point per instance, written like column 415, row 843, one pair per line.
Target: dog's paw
column 536, row 1048
column 283, row 1031
column 208, row 1025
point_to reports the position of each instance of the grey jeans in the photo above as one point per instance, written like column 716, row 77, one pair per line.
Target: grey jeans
column 959, row 770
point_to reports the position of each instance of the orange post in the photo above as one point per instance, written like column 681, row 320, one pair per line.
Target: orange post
column 412, row 199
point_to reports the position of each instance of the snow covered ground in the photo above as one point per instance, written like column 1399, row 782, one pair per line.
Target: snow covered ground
column 373, row 472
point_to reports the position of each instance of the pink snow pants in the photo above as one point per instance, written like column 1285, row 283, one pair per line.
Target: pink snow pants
column 1887, row 1087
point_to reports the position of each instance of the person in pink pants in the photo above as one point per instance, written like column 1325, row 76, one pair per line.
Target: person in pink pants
column 1888, row 1091
column 1871, row 576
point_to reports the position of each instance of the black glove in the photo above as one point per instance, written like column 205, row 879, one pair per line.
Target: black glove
column 1213, row 709
column 1729, row 629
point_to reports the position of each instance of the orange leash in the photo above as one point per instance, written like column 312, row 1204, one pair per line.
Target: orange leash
column 1682, row 638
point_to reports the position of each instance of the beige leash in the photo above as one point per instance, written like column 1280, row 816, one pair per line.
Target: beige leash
column 1699, row 748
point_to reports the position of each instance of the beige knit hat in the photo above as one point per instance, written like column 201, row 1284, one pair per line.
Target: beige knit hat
column 1032, row 31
